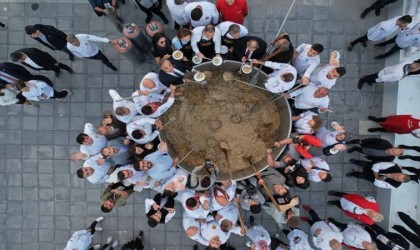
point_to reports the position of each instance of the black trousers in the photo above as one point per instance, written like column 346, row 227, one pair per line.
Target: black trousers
column 56, row 68
column 149, row 12
column 103, row 58
column 367, row 173
column 379, row 4
column 340, row 225
column 361, row 39
column 67, row 51
column 21, row 98
column 134, row 244
column 313, row 217
column 375, row 230
column 59, row 94
column 40, row 78
column 370, row 78
column 413, row 225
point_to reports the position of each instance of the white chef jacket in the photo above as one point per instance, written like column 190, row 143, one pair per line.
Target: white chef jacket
column 306, row 94
column 101, row 171
column 38, row 90
column 320, row 163
column 298, row 240
column 187, row 222
column 327, row 137
column 148, row 203
column 180, row 179
column 230, row 213
column 198, row 34
column 80, row 240
column 141, row 100
column 137, row 175
column 211, row 229
column 8, row 98
column 383, row 29
column 353, row 208
column 258, row 233
column 159, row 87
column 99, row 141
column 319, row 77
column 86, row 48
column 275, row 84
column 394, row 72
column 118, row 102
column 145, row 124
column 301, row 125
column 224, row 27
column 354, row 235
column 230, row 191
column 328, row 232
column 210, row 14
column 409, row 37
column 381, row 166
column 303, row 63
column 177, row 11
column 199, row 213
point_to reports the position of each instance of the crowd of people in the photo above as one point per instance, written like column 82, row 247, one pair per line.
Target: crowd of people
column 125, row 152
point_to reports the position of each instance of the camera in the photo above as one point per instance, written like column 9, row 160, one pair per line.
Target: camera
column 250, row 189
column 207, row 163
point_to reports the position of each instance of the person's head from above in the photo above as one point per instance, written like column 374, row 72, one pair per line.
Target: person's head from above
column 230, row 2
column 394, row 151
column 191, row 231
column 22, row 86
column 400, row 177
column 341, row 137
column 17, row 57
column 262, row 245
column 403, row 21
column 170, row 190
column 280, row 190
column 184, row 34
column 287, row 77
column 124, row 174
column 375, row 216
column 292, row 219
column 159, row 40
column 137, row 134
column 122, row 111
column 166, row 65
column 147, row 109
column 143, row 165
column 315, row 50
column 192, row 203
column 109, row 151
column 104, row 130
column 85, row 172
column 336, row 73
column 335, row 244
column 234, row 30
column 226, row 225
column 254, row 207
column 32, row 31
column 252, row 45
column 84, row 139
column 300, row 180
column 72, row 39
column 154, row 219
column 283, row 43
column 222, row 200
column 209, row 31
column 197, row 13
column 148, row 83
column 368, row 245
column 315, row 123
column 215, row 242
column 136, row 149
column 288, row 160
column 108, row 206
column 321, row 92
column 415, row 66
column 205, row 182
column 324, row 176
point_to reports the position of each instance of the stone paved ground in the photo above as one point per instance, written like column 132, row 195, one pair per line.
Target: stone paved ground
column 42, row 202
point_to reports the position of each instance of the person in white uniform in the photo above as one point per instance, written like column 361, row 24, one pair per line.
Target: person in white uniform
column 221, row 196
column 201, row 14
column 306, row 59
column 317, row 169
column 153, row 105
column 94, row 172
column 328, row 75
column 227, row 218
column 192, row 228
column 81, row 45
column 80, row 240
column 170, row 186
column 35, row 90
column 298, row 240
column 231, row 32
column 195, row 205
column 282, row 79
column 206, row 41
column 151, row 83
column 309, row 98
column 91, row 142
column 141, row 130
column 307, row 123
column 124, row 110
column 382, row 30
column 391, row 73
column 260, row 238
column 333, row 141
column 151, row 6
column 176, row 8
column 355, row 235
column 405, row 39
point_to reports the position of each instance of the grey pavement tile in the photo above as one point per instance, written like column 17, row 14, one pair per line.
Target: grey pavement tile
column 30, row 211
column 62, row 207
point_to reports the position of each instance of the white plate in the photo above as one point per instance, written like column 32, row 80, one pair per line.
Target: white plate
column 224, row 49
column 246, row 69
column 179, row 53
column 199, row 77
column 196, row 60
column 217, row 61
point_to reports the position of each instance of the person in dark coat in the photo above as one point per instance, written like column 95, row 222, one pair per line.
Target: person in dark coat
column 159, row 210
column 172, row 72
column 248, row 47
column 386, row 240
column 11, row 73
column 376, row 149
column 296, row 176
column 413, row 237
column 377, row 6
column 135, row 244
column 162, row 47
column 38, row 60
column 50, row 37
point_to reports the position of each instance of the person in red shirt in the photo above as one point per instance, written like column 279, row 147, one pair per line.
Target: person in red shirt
column 233, row 10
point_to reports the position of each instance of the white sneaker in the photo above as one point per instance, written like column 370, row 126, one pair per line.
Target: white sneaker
column 248, row 243
column 109, row 240
column 96, row 247
column 98, row 229
column 99, row 219
column 115, row 244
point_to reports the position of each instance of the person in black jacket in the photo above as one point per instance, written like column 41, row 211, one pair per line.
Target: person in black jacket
column 173, row 72
column 38, row 60
column 10, row 73
column 50, row 37
column 248, row 47
column 377, row 6
column 135, row 244
column 386, row 240
column 413, row 237
column 296, row 176
column 158, row 212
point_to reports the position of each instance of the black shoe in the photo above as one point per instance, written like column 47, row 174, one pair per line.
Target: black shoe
column 3, row 25
column 195, row 247
column 363, row 15
column 354, row 161
column 351, row 150
column 371, row 130
column 331, row 203
column 251, row 220
column 57, row 73
column 148, row 19
column 373, row 118
column 360, row 84
column 377, row 12
column 355, row 141
column 349, row 174
column 71, row 57
column 333, row 193
column 403, row 157
column 165, row 21
column 349, row 47
column 113, row 68
column 364, row 44
column 70, row 71
column 377, row 46
column 379, row 57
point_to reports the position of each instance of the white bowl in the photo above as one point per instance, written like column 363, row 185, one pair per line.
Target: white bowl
column 177, row 55
column 246, row 69
column 224, row 49
column 196, row 60
column 217, row 61
column 199, row 76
